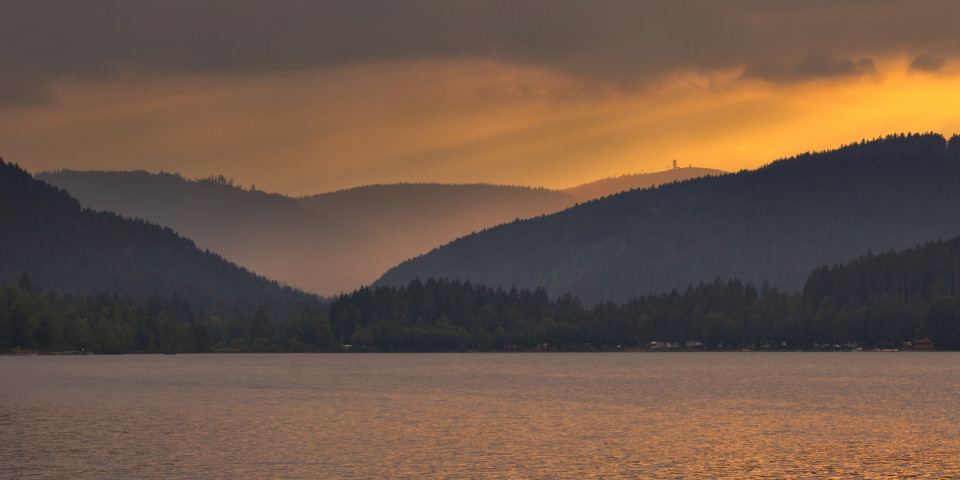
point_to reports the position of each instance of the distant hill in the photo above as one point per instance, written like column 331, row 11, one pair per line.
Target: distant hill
column 610, row 186
column 326, row 243
column 776, row 223
column 411, row 219
column 268, row 233
column 62, row 246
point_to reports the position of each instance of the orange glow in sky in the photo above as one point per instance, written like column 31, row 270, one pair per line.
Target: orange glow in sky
column 307, row 97
column 460, row 122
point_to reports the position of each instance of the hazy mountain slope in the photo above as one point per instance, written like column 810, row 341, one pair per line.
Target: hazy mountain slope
column 610, row 186
column 775, row 223
column 324, row 243
column 46, row 233
column 415, row 218
column 267, row 233
column 331, row 242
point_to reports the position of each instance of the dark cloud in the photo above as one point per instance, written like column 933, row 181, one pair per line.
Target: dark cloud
column 926, row 62
column 814, row 65
column 825, row 65
column 623, row 43
column 18, row 89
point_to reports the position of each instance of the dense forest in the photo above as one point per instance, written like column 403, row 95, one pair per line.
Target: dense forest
column 875, row 301
column 49, row 321
column 878, row 300
column 776, row 223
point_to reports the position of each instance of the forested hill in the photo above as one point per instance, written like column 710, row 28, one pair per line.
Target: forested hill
column 269, row 234
column 877, row 301
column 62, row 246
column 776, row 223
column 326, row 243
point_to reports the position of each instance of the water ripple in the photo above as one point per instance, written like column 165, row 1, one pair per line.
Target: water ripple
column 445, row 416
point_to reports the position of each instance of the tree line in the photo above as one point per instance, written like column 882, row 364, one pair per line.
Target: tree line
column 50, row 321
column 877, row 300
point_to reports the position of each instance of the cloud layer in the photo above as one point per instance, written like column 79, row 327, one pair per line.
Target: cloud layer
column 624, row 43
column 305, row 96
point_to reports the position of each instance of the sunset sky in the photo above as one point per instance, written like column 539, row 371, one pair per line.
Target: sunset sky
column 310, row 96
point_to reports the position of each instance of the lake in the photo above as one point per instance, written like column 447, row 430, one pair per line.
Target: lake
column 511, row 415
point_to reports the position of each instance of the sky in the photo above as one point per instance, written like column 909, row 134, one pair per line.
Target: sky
column 304, row 97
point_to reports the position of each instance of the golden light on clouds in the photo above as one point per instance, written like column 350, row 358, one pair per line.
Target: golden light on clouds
column 460, row 121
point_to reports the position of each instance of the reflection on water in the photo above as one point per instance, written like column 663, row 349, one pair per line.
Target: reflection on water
column 616, row 415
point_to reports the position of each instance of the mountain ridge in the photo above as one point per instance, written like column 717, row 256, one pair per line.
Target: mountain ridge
column 623, row 183
column 810, row 208
column 326, row 243
column 60, row 245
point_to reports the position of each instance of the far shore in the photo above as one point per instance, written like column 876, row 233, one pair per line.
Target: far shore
column 23, row 353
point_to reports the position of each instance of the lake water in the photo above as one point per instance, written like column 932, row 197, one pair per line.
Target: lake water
column 431, row 416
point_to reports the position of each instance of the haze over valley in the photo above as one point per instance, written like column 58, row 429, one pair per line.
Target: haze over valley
column 333, row 242
column 850, row 245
